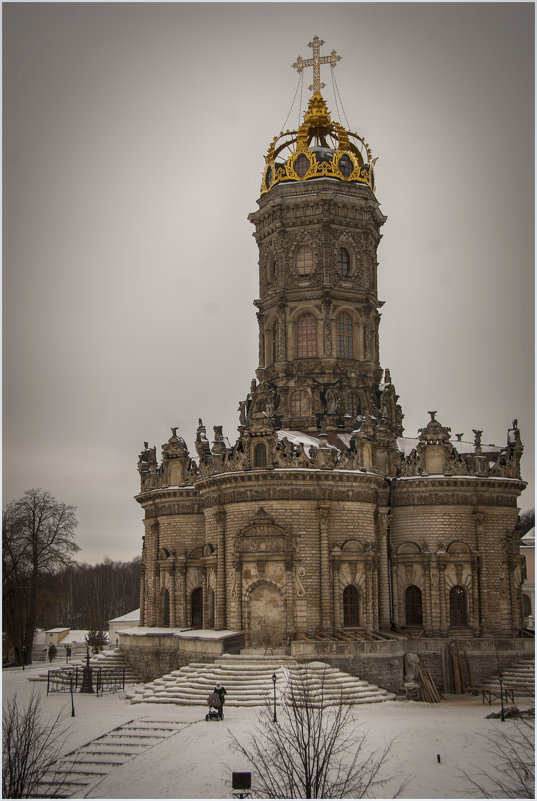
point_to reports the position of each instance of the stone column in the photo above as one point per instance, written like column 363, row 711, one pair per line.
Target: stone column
column 282, row 331
column 327, row 327
column 384, row 519
column 220, row 615
column 205, row 585
column 475, row 616
column 238, row 589
column 155, row 611
column 443, row 603
column 375, row 591
column 326, row 621
column 368, row 595
column 336, row 593
column 142, row 596
column 289, row 602
column 173, row 616
column 426, row 600
column 395, row 593
column 181, row 597
column 261, row 322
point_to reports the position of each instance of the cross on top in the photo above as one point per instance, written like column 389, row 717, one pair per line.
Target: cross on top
column 316, row 62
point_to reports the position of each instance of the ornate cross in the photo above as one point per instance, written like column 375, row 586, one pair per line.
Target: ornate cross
column 316, row 62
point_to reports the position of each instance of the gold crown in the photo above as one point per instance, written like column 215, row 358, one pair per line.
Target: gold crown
column 318, row 148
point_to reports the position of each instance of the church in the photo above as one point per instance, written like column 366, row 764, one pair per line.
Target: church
column 322, row 517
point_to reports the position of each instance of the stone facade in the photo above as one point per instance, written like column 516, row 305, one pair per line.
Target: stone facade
column 323, row 515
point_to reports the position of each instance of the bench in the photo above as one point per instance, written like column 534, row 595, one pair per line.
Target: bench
column 491, row 694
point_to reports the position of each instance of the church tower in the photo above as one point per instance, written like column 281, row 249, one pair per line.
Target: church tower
column 317, row 229
column 322, row 520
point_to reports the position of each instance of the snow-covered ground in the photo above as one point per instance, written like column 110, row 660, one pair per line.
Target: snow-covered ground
column 197, row 761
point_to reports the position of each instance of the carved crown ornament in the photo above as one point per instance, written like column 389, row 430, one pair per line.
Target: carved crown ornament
column 319, row 147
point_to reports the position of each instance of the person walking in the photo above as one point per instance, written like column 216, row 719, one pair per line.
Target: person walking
column 221, row 691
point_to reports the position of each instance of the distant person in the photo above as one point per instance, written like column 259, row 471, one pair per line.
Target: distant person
column 221, row 692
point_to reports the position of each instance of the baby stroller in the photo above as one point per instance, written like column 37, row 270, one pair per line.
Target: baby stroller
column 213, row 701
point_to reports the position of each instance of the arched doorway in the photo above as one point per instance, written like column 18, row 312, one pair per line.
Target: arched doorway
column 165, row 607
column 458, row 615
column 196, row 608
column 266, row 615
column 413, row 606
column 351, row 606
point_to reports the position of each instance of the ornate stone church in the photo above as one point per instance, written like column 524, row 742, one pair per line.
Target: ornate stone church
column 322, row 516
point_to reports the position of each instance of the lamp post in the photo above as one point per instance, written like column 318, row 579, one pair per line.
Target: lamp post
column 274, row 683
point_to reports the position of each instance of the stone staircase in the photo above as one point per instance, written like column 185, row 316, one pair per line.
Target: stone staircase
column 520, row 675
column 104, row 659
column 248, row 681
column 78, row 772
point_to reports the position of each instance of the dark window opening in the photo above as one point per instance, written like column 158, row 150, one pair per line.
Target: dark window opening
column 413, row 606
column 351, row 614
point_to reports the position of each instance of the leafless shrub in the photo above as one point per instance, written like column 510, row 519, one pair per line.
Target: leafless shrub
column 511, row 773
column 30, row 748
column 313, row 750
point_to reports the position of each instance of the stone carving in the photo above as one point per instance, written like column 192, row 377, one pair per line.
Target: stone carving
column 411, row 668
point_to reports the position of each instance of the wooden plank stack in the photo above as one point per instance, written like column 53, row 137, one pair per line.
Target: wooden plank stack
column 428, row 691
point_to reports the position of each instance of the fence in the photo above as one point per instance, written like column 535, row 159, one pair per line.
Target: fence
column 69, row 679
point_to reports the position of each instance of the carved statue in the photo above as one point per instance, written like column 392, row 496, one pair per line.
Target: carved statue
column 411, row 664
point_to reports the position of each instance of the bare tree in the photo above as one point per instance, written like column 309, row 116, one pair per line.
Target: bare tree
column 314, row 749
column 511, row 773
column 37, row 537
column 30, row 748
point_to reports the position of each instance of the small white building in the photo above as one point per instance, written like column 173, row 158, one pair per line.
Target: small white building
column 128, row 621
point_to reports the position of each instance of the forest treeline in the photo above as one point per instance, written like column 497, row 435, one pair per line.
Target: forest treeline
column 82, row 596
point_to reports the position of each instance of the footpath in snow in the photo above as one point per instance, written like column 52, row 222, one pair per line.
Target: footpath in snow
column 194, row 758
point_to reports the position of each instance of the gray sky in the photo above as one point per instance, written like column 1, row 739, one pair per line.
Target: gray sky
column 134, row 141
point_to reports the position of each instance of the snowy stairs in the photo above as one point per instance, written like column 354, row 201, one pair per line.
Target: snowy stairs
column 248, row 681
column 520, row 676
column 78, row 772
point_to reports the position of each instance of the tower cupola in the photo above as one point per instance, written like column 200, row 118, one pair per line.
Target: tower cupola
column 319, row 147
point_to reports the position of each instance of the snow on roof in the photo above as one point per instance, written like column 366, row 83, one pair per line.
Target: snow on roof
column 130, row 616
column 196, row 634
column 407, row 445
column 57, row 629
column 529, row 539
column 334, row 440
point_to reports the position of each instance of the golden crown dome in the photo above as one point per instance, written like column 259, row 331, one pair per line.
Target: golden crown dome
column 320, row 147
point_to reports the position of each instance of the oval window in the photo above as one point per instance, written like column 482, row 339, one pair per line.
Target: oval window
column 345, row 165
column 301, row 165
column 268, row 177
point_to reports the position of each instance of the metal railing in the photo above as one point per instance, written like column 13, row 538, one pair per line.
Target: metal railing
column 69, row 679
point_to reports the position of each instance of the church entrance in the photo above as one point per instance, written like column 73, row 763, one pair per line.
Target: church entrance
column 196, row 607
column 266, row 616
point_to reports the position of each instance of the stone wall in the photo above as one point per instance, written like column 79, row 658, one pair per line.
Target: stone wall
column 152, row 654
column 381, row 663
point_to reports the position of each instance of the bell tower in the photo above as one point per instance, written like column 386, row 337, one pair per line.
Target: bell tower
column 318, row 229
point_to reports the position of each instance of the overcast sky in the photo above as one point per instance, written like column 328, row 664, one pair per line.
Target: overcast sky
column 134, row 141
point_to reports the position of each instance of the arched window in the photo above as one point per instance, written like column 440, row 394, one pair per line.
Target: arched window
column 458, row 615
column 165, row 607
column 304, row 260
column 275, row 342
column 413, row 607
column 301, row 165
column 270, row 268
column 300, row 403
column 260, row 455
column 344, row 330
column 306, row 336
column 343, row 262
column 524, row 568
column 196, row 608
column 351, row 614
column 354, row 404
